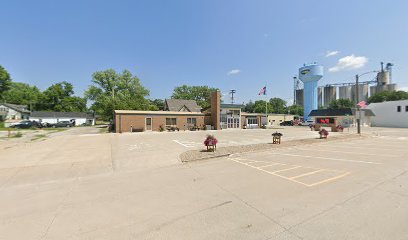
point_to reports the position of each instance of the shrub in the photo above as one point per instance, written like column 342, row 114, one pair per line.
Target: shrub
column 17, row 135
column 161, row 128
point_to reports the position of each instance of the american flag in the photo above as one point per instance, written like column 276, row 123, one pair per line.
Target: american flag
column 263, row 91
column 362, row 104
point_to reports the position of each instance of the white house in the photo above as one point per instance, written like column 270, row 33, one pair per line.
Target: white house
column 390, row 114
column 54, row 117
column 13, row 113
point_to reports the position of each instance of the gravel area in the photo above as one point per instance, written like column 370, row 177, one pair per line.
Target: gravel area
column 195, row 155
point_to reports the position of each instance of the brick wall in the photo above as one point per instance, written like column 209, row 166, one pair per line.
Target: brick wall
column 125, row 122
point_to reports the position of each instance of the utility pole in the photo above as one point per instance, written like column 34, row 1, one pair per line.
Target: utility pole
column 232, row 95
column 113, row 103
column 358, row 107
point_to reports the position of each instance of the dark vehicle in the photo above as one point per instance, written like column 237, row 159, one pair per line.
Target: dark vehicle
column 286, row 123
column 63, row 124
column 27, row 124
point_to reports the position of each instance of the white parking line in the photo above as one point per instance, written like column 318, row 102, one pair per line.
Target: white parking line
column 307, row 174
column 186, row 144
column 366, row 148
column 269, row 165
column 326, row 158
column 286, row 169
column 293, row 179
column 358, row 153
column 329, row 179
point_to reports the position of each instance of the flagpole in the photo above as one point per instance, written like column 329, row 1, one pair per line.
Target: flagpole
column 266, row 106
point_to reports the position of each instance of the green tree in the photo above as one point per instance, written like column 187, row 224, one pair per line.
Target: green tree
column 22, row 93
column 112, row 90
column 295, row 110
column 157, row 104
column 260, row 106
column 388, row 96
column 59, row 97
column 341, row 103
column 278, row 105
column 249, row 107
column 201, row 94
column 5, row 80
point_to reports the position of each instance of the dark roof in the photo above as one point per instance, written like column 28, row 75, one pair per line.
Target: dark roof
column 225, row 105
column 178, row 105
column 40, row 114
column 331, row 112
column 367, row 112
column 16, row 107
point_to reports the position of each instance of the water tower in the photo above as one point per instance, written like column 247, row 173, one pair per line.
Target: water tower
column 310, row 74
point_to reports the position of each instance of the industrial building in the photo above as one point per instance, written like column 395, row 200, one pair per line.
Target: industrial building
column 312, row 97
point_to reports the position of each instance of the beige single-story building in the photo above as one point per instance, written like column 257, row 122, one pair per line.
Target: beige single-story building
column 179, row 114
column 187, row 115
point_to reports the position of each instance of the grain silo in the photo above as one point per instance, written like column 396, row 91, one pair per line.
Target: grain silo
column 345, row 92
column 362, row 93
column 320, row 96
column 299, row 97
column 330, row 93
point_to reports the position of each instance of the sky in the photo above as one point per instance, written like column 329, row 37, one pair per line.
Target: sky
column 227, row 44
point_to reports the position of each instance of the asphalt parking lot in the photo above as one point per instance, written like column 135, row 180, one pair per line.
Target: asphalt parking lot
column 86, row 185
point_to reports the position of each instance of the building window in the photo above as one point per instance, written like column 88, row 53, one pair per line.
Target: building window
column 171, row 121
column 252, row 121
column 398, row 108
column 192, row 121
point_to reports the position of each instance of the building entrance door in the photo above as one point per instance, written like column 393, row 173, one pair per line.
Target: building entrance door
column 148, row 124
column 232, row 122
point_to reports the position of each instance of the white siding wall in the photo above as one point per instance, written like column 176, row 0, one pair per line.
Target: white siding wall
column 78, row 121
column 386, row 114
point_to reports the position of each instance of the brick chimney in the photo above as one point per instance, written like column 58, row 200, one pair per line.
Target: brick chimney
column 216, row 109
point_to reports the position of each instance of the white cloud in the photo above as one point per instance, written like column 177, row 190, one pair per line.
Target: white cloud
column 331, row 53
column 234, row 72
column 349, row 63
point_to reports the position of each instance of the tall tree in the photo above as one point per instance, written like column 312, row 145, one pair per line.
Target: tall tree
column 341, row 103
column 295, row 110
column 201, row 94
column 59, row 97
column 112, row 90
column 260, row 106
column 5, row 80
column 22, row 93
column 249, row 107
column 388, row 96
column 278, row 105
column 157, row 104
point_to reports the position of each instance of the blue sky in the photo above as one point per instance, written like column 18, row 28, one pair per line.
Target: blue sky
column 228, row 44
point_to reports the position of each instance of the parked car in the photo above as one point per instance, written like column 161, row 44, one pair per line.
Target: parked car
column 63, row 124
column 307, row 123
column 286, row 123
column 27, row 124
